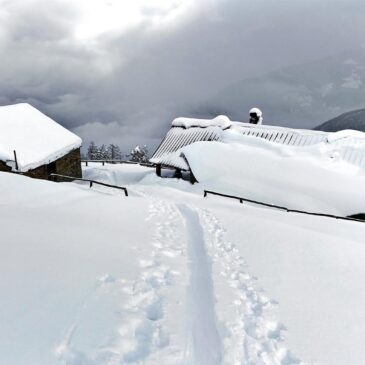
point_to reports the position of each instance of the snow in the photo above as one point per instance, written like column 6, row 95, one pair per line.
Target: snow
column 204, row 344
column 314, row 178
column 36, row 138
column 220, row 121
column 346, row 133
column 313, row 269
column 165, row 276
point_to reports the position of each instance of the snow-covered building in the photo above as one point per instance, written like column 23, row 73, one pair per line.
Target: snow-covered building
column 33, row 144
column 186, row 131
column 171, row 153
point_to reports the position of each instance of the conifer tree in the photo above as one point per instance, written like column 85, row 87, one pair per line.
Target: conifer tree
column 139, row 154
column 92, row 151
column 114, row 152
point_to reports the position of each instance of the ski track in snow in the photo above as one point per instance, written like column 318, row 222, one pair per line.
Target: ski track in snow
column 253, row 337
column 250, row 336
column 203, row 340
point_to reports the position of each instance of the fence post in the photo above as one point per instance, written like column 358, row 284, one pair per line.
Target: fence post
column 178, row 173
column 16, row 161
column 91, row 184
column 158, row 170
column 192, row 178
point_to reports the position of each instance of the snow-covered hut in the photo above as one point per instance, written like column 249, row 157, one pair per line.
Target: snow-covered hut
column 186, row 131
column 33, row 144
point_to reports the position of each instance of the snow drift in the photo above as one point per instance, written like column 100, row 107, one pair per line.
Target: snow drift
column 314, row 178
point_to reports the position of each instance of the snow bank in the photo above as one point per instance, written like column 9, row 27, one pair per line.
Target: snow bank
column 346, row 133
column 313, row 178
column 36, row 138
column 220, row 121
column 117, row 174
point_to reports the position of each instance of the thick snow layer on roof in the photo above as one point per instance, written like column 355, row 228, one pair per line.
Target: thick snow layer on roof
column 319, row 178
column 36, row 138
column 186, row 131
column 178, row 137
column 174, row 159
column 239, row 126
column 346, row 133
column 221, row 121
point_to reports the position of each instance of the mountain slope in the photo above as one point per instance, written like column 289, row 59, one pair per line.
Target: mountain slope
column 351, row 120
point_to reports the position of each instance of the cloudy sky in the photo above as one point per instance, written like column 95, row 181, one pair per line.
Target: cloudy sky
column 119, row 70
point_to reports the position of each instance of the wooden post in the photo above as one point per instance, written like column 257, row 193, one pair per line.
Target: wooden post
column 192, row 178
column 158, row 169
column 103, row 162
column 91, row 184
column 178, row 173
column 86, row 163
column 16, row 161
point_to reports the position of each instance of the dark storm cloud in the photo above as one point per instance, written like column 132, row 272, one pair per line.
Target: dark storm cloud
column 126, row 87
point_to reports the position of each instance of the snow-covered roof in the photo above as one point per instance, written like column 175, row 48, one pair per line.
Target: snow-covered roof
column 36, row 138
column 220, row 121
column 178, row 137
column 186, row 131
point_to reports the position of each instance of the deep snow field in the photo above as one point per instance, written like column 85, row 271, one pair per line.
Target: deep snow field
column 165, row 276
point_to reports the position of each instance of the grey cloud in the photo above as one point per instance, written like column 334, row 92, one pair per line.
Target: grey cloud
column 134, row 83
column 36, row 21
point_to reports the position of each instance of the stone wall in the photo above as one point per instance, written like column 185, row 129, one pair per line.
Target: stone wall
column 4, row 167
column 69, row 165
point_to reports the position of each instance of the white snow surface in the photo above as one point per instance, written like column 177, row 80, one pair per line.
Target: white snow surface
column 36, row 138
column 313, row 178
column 220, row 121
column 165, row 276
column 346, row 133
